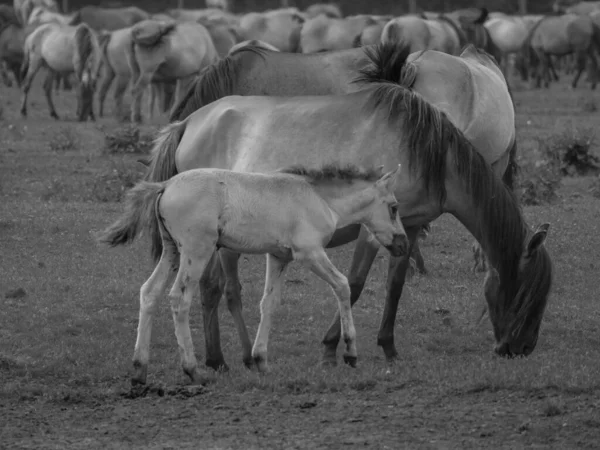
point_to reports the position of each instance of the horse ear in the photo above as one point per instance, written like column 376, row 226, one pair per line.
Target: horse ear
column 538, row 238
column 483, row 17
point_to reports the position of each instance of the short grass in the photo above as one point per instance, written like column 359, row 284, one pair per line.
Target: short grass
column 66, row 344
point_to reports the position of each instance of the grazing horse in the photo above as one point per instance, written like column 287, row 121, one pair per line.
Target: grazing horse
column 280, row 28
column 256, row 72
column 170, row 51
column 560, row 36
column 63, row 49
column 383, row 123
column 203, row 210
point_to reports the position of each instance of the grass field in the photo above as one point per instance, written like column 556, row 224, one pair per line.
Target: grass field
column 69, row 315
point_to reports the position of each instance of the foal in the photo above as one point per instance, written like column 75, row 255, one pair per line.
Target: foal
column 290, row 215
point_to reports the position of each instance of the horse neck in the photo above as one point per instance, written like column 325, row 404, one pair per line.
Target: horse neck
column 492, row 215
column 348, row 200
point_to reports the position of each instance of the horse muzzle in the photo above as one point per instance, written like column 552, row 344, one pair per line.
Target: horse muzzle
column 399, row 245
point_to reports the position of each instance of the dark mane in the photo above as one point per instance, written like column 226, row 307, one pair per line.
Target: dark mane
column 215, row 82
column 332, row 172
column 430, row 138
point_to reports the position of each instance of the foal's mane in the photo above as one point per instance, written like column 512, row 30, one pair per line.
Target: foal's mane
column 430, row 137
column 215, row 82
column 333, row 172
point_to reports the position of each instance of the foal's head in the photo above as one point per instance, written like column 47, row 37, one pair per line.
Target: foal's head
column 516, row 306
column 382, row 218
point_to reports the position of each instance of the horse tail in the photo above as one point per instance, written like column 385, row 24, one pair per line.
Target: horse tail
column 139, row 208
column 84, row 51
column 161, row 167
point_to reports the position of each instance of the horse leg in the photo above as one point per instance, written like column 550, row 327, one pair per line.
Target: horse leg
column 191, row 268
column 151, row 290
column 141, row 84
column 120, row 88
column 362, row 260
column 15, row 68
column 593, row 68
column 212, row 285
column 395, row 282
column 418, row 258
column 233, row 295
column 48, row 82
column 151, row 99
column 5, row 78
column 324, row 268
column 34, row 66
column 107, row 79
column 581, row 60
column 270, row 300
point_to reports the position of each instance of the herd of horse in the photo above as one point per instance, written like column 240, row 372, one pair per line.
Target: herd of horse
column 408, row 118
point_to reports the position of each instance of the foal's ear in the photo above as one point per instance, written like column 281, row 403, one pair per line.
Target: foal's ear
column 538, row 238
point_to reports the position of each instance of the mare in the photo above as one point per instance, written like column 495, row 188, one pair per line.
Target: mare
column 202, row 210
column 383, row 123
column 63, row 49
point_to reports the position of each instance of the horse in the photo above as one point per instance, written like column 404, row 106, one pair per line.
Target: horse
column 472, row 23
column 371, row 34
column 224, row 37
column 575, row 7
column 108, row 19
column 279, row 27
column 218, row 4
column 23, row 8
column 382, row 123
column 323, row 33
column 203, row 210
column 559, row 36
column 328, row 9
column 171, row 51
column 509, row 33
column 40, row 15
column 12, row 38
column 63, row 49
column 254, row 72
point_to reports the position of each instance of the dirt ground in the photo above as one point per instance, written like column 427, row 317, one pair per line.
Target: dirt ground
column 69, row 315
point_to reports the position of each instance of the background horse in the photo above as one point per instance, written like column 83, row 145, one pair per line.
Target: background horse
column 206, row 209
column 448, row 174
column 63, row 50
column 279, row 27
column 12, row 38
column 172, row 51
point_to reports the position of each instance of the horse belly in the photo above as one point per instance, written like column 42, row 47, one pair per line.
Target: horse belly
column 58, row 51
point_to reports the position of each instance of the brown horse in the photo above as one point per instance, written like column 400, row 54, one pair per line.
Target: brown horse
column 251, row 71
column 561, row 35
column 389, row 124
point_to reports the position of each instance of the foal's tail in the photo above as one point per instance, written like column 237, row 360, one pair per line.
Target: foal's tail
column 162, row 167
column 139, row 210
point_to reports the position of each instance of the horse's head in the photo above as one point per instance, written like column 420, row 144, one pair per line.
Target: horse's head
column 383, row 220
column 516, row 306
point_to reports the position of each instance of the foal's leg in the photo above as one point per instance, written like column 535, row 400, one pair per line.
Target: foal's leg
column 581, row 60
column 48, row 82
column 270, row 300
column 233, row 295
column 395, row 283
column 149, row 293
column 364, row 255
column 191, row 268
column 324, row 268
column 212, row 285
column 118, row 94
column 107, row 79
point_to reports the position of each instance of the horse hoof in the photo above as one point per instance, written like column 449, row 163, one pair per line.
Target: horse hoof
column 201, row 378
column 350, row 360
column 217, row 365
column 54, row 116
column 261, row 364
